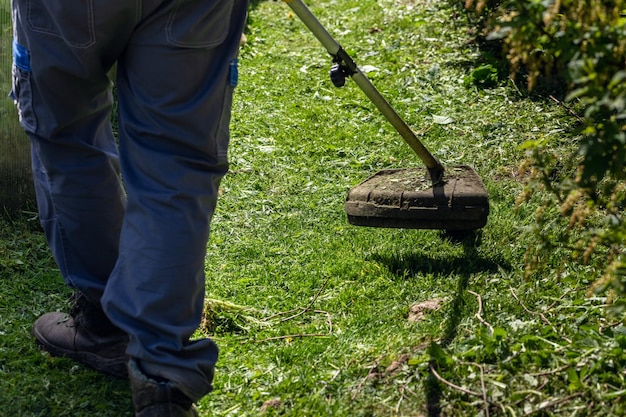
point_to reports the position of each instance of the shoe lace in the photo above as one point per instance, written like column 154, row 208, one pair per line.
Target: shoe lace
column 90, row 316
column 77, row 303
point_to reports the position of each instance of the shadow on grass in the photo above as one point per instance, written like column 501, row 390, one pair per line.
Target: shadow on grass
column 67, row 390
column 470, row 263
column 252, row 5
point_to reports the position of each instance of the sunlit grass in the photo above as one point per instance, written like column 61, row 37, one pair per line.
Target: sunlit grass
column 310, row 313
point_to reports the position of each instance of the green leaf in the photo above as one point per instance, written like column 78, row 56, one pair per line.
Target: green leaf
column 439, row 355
column 574, row 380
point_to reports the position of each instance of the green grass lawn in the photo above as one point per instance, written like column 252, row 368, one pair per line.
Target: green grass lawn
column 315, row 317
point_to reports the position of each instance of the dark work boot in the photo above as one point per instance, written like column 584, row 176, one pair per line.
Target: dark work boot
column 153, row 398
column 85, row 335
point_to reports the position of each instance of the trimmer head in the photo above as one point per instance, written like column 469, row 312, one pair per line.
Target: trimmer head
column 406, row 198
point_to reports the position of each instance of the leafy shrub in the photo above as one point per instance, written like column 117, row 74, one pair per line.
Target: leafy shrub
column 579, row 47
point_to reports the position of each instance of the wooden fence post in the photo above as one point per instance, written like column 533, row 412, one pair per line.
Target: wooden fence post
column 16, row 185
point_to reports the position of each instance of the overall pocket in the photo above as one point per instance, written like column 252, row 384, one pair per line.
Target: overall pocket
column 77, row 28
column 199, row 23
column 21, row 89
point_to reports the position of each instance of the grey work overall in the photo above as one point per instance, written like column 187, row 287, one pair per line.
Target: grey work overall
column 137, row 248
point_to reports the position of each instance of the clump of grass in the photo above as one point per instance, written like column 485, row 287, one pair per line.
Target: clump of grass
column 225, row 317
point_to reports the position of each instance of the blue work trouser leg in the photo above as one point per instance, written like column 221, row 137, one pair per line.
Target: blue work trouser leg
column 173, row 148
column 64, row 100
column 175, row 83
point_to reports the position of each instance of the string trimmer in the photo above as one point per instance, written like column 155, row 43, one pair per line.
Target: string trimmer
column 453, row 199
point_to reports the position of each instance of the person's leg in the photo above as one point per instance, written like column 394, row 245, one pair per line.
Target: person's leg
column 64, row 101
column 175, row 83
column 64, row 96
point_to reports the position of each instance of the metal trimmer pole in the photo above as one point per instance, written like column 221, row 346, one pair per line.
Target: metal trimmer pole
column 435, row 169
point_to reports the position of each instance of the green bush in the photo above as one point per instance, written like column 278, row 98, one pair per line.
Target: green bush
column 574, row 49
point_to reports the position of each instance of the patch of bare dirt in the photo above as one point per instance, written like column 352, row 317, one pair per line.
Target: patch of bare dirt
column 418, row 311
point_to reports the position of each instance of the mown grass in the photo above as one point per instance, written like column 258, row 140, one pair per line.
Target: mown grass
column 310, row 313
